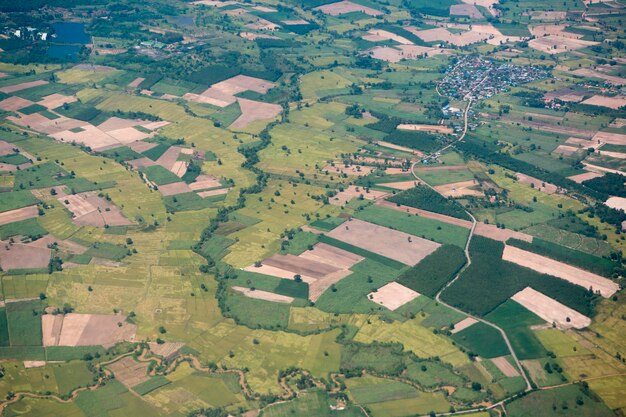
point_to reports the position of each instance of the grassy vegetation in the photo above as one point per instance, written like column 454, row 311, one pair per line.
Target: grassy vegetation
column 17, row 199
column 595, row 264
column 28, row 227
column 159, row 175
column 516, row 322
column 416, row 225
column 434, row 271
column 489, row 281
column 425, row 198
column 24, row 323
column 482, row 340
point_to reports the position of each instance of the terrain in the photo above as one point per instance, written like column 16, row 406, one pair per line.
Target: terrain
column 315, row 208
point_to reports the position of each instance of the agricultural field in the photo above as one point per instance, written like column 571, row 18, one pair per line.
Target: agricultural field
column 355, row 208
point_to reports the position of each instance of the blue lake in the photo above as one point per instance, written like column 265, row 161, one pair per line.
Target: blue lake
column 184, row 20
column 63, row 51
column 70, row 32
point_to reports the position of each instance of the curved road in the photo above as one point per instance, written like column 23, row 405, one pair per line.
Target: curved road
column 468, row 263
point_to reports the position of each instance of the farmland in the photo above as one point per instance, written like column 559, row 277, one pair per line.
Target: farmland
column 326, row 208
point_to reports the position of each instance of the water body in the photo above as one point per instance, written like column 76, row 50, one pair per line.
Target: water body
column 63, row 51
column 70, row 32
column 184, row 20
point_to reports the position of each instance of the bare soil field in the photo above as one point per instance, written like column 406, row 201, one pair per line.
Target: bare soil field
column 584, row 177
column 264, row 295
column 587, row 72
column 130, row 372
column 616, row 155
column 618, row 203
column 135, row 83
column 91, row 210
column 23, row 256
column 137, row 164
column 426, row 128
column 275, row 272
column 174, row 188
column 603, row 101
column 565, row 94
column 299, row 265
column 241, row 83
column 56, row 100
column 393, row 244
column 612, row 138
column 90, row 136
column 21, row 86
column 584, row 143
column 51, row 325
column 399, row 148
column 116, row 123
column 545, row 265
column 352, row 191
column 393, row 295
column 203, row 182
column 344, row 7
column 487, row 4
column 331, row 255
column 251, row 111
column 427, row 214
column 320, row 268
column 417, row 51
column 128, row 135
column 44, row 125
column 18, row 214
column 599, row 169
column 552, row 44
column 465, row 10
column 537, row 184
column 401, row 185
column 463, row 324
column 460, row 189
column 14, row 103
column 442, row 167
column 88, row 330
column 378, row 35
column 212, row 97
column 494, row 232
column 550, row 310
column 505, row 366
column 566, row 150
column 210, row 193
column 141, row 146
column 169, row 158
column 555, row 30
column 618, row 123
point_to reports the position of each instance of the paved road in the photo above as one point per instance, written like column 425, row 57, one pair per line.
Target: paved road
column 467, row 264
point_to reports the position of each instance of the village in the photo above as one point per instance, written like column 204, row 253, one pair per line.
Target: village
column 475, row 78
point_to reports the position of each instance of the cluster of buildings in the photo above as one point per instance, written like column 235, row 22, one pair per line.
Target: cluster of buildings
column 26, row 33
column 478, row 78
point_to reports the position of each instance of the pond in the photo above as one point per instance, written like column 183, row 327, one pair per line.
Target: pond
column 70, row 32
column 63, row 52
column 184, row 20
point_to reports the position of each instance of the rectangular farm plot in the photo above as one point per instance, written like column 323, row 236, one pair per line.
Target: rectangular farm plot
column 89, row 209
column 18, row 214
column 344, row 7
column 550, row 310
column 86, row 330
column 393, row 296
column 320, row 268
column 23, row 256
column 130, row 372
column 393, row 244
column 264, row 295
column 463, row 324
column 544, row 265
